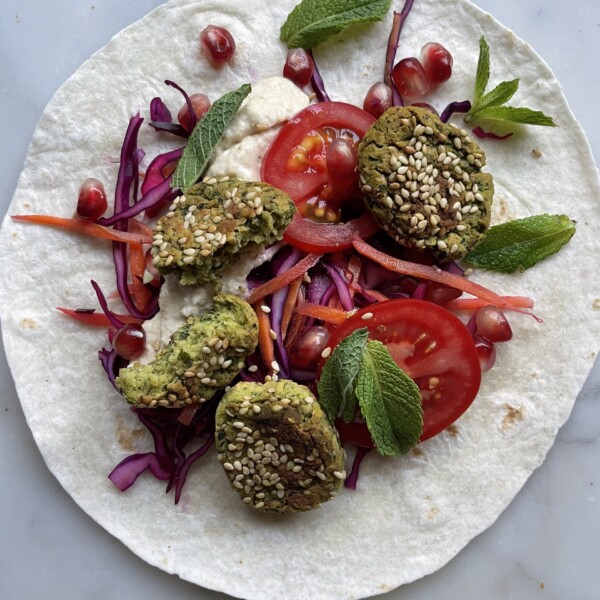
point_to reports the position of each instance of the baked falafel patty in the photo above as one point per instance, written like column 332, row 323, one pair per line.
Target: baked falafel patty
column 278, row 449
column 422, row 181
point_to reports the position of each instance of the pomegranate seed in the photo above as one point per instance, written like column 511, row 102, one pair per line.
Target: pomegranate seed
column 492, row 324
column 440, row 293
column 91, row 203
column 217, row 44
column 486, row 352
column 378, row 99
column 410, row 79
column 437, row 62
column 308, row 348
column 130, row 341
column 299, row 67
column 200, row 104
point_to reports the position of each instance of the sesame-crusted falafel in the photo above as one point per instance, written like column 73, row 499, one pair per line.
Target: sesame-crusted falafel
column 206, row 230
column 277, row 447
column 422, row 181
column 202, row 356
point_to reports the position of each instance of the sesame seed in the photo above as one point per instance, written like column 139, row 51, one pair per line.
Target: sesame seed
column 265, row 309
column 339, row 474
column 275, row 366
column 252, row 368
column 326, row 352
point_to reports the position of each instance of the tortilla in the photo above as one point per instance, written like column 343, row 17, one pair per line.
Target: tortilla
column 492, row 451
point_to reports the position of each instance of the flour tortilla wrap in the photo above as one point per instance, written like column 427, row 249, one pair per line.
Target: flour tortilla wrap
column 414, row 513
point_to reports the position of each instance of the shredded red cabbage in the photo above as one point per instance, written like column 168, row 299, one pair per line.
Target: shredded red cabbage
column 392, row 48
column 480, row 133
column 455, row 107
column 316, row 81
column 341, row 286
column 115, row 321
column 127, row 471
column 352, row 479
column 191, row 112
column 159, row 111
column 112, row 364
column 154, row 173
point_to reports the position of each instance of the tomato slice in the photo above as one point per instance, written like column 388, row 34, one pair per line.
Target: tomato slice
column 433, row 347
column 322, row 238
column 275, row 168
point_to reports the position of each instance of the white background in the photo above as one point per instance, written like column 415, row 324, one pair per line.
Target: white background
column 545, row 545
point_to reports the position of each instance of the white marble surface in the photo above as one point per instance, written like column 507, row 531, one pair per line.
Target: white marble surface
column 545, row 545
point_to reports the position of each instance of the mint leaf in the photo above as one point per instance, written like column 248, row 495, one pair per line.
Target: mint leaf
column 483, row 70
column 489, row 106
column 520, row 244
column 313, row 21
column 338, row 377
column 390, row 402
column 502, row 93
column 205, row 137
column 515, row 115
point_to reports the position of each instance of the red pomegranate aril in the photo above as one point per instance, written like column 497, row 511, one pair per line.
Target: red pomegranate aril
column 486, row 352
column 217, row 44
column 308, row 348
column 440, row 293
column 410, row 79
column 299, row 67
column 437, row 62
column 91, row 203
column 492, row 324
column 200, row 104
column 130, row 341
column 378, row 99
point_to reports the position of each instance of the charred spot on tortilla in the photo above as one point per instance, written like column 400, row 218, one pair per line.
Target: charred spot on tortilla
column 277, row 447
column 422, row 181
column 203, row 356
column 207, row 229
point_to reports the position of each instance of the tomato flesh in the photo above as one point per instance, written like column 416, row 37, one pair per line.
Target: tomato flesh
column 433, row 347
column 296, row 163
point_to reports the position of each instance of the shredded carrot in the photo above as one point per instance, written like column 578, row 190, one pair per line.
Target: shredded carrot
column 377, row 295
column 476, row 303
column 140, row 228
column 265, row 342
column 95, row 319
column 435, row 274
column 325, row 313
column 86, row 228
column 137, row 266
column 290, row 303
column 271, row 286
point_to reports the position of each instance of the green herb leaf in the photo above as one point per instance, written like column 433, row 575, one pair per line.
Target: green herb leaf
column 520, row 244
column 515, row 115
column 502, row 93
column 390, row 402
column 338, row 377
column 313, row 21
column 205, row 137
column 483, row 70
column 489, row 106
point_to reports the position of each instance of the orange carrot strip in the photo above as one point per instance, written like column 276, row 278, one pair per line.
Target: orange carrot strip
column 377, row 295
column 140, row 228
column 290, row 303
column 95, row 319
column 476, row 303
column 137, row 266
column 325, row 313
column 434, row 274
column 265, row 342
column 271, row 286
column 86, row 228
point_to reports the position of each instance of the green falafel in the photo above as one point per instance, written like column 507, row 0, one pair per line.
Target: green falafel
column 422, row 181
column 202, row 356
column 277, row 447
column 206, row 230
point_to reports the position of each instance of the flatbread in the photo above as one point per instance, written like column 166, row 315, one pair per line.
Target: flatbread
column 416, row 512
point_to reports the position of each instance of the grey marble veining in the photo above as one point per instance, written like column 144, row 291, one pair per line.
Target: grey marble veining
column 545, row 545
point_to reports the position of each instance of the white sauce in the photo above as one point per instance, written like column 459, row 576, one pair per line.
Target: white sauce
column 271, row 103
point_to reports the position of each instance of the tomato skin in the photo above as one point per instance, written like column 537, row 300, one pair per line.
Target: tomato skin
column 301, row 186
column 433, row 347
column 323, row 238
